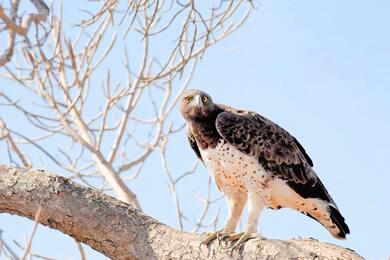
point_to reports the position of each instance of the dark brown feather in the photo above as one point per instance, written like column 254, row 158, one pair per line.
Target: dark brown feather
column 303, row 151
column 194, row 145
column 203, row 134
column 275, row 148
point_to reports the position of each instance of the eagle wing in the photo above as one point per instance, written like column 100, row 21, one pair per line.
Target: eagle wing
column 274, row 147
column 276, row 150
column 193, row 144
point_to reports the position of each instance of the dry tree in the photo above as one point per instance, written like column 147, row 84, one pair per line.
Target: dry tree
column 93, row 121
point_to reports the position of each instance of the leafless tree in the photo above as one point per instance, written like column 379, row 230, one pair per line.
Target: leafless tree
column 108, row 121
column 73, row 104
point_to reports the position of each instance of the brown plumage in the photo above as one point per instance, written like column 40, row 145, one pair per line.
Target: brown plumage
column 251, row 158
column 257, row 136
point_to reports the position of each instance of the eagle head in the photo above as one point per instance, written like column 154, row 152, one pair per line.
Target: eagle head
column 196, row 105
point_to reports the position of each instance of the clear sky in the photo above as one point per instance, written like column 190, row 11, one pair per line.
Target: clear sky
column 320, row 69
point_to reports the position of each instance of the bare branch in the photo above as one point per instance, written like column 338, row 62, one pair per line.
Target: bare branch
column 6, row 135
column 171, row 184
column 81, row 251
column 27, row 246
column 6, row 250
column 23, row 28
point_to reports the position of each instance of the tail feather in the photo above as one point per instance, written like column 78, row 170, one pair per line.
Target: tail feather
column 318, row 205
column 339, row 221
column 330, row 217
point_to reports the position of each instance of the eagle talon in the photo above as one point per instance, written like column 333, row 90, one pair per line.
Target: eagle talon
column 221, row 236
column 242, row 239
column 234, row 236
column 209, row 237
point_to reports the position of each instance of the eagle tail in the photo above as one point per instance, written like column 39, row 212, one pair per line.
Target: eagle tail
column 313, row 201
column 339, row 222
column 329, row 217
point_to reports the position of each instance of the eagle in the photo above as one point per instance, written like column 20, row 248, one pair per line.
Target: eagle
column 253, row 160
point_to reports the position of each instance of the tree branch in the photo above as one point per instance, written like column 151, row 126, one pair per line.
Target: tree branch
column 119, row 231
column 23, row 28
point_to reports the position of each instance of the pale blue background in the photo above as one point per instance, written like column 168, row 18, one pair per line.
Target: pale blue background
column 320, row 69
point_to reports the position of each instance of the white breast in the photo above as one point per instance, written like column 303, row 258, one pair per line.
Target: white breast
column 232, row 169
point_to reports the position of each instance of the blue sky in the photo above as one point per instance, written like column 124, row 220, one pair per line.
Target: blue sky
column 320, row 69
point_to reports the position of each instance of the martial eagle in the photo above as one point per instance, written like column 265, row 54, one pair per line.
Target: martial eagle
column 252, row 159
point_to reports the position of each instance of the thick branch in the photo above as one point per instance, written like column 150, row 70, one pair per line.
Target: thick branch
column 121, row 232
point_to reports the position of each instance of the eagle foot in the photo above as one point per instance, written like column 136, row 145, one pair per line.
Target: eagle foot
column 210, row 236
column 240, row 239
column 230, row 237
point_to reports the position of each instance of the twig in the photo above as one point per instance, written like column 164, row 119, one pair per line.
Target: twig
column 27, row 247
column 81, row 250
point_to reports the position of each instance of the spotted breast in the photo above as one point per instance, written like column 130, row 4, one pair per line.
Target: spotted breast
column 234, row 170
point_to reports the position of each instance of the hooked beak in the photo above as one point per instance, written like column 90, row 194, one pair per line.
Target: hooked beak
column 196, row 101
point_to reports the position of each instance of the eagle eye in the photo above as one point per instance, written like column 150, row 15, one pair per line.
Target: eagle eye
column 188, row 99
column 205, row 98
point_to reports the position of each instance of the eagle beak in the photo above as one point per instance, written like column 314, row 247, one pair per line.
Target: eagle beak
column 196, row 101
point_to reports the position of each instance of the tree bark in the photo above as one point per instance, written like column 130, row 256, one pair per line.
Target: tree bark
column 119, row 231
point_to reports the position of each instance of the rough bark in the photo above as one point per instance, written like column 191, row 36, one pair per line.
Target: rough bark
column 119, row 231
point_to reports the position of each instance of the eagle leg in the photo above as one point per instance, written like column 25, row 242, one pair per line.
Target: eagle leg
column 236, row 202
column 255, row 206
